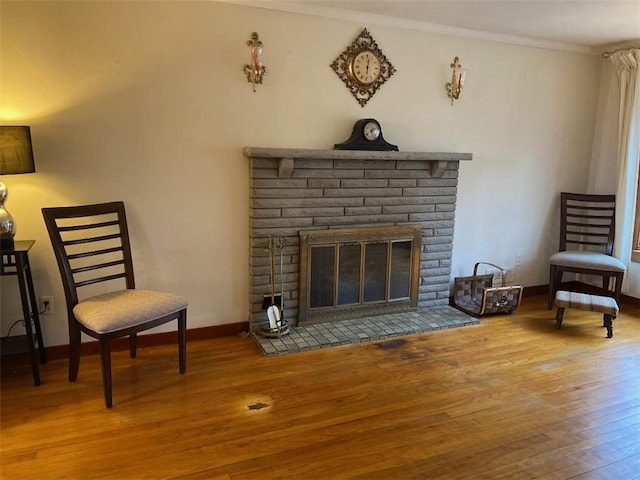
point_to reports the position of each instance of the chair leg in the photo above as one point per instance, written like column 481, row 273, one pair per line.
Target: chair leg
column 555, row 278
column 105, row 358
column 559, row 315
column 182, row 340
column 618, row 286
column 74, row 352
column 605, row 285
column 133, row 345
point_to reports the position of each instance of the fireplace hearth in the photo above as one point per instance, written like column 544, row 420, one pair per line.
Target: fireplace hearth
column 366, row 329
column 301, row 194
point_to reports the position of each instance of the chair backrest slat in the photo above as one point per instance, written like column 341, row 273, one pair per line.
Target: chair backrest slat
column 91, row 253
column 91, row 244
column 592, row 207
column 603, row 235
column 97, row 266
column 99, row 280
column 81, row 241
column 71, row 228
column 587, row 221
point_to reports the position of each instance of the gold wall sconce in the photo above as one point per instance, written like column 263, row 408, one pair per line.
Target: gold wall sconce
column 255, row 70
column 454, row 87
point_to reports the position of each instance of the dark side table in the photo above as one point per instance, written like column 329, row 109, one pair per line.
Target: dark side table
column 15, row 261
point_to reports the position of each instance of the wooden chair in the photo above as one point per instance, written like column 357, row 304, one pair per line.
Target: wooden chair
column 587, row 223
column 91, row 245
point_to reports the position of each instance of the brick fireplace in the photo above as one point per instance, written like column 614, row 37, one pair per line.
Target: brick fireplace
column 299, row 190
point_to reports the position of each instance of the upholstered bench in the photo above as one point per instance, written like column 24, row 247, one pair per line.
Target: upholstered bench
column 592, row 303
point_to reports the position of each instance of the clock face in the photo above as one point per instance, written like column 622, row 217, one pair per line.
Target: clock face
column 371, row 131
column 365, row 67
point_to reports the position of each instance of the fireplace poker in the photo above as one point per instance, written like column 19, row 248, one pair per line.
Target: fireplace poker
column 281, row 245
column 273, row 312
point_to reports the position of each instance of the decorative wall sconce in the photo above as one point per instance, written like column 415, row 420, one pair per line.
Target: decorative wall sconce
column 255, row 71
column 454, row 88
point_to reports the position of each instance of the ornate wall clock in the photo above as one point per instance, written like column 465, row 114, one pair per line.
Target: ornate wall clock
column 363, row 67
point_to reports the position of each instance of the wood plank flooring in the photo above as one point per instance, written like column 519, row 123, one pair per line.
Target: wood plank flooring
column 511, row 398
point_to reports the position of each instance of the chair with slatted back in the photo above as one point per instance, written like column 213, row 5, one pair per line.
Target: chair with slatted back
column 587, row 229
column 91, row 245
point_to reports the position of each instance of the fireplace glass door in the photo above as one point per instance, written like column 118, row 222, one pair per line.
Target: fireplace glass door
column 349, row 273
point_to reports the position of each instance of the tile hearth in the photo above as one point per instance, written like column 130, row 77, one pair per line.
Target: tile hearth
column 367, row 329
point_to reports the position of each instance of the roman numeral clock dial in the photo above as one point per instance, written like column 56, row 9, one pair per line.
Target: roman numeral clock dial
column 363, row 67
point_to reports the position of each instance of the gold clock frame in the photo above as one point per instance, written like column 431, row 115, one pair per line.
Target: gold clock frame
column 343, row 66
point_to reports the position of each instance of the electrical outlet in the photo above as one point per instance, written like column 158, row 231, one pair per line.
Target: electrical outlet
column 497, row 277
column 45, row 306
column 509, row 276
column 518, row 259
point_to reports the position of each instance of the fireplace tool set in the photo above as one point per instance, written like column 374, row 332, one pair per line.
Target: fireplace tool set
column 275, row 325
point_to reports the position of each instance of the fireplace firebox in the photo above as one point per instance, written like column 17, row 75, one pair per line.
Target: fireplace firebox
column 351, row 273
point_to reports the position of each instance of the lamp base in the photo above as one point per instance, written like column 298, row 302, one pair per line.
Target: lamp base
column 7, row 225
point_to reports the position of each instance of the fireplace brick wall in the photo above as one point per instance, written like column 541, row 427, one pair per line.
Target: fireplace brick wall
column 293, row 190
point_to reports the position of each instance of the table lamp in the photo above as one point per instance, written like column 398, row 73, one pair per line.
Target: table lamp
column 16, row 156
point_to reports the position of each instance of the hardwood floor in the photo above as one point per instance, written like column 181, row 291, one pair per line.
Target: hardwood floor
column 510, row 398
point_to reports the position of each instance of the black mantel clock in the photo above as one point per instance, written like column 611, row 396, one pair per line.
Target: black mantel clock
column 366, row 135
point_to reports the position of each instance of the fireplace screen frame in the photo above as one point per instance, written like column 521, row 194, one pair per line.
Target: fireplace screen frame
column 337, row 237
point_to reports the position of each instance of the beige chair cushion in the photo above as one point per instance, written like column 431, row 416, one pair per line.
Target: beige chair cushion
column 126, row 308
column 584, row 259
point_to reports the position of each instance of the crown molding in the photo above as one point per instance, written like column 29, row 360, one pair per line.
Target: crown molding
column 302, row 8
column 634, row 43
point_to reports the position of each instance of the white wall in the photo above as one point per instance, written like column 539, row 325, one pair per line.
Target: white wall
column 146, row 102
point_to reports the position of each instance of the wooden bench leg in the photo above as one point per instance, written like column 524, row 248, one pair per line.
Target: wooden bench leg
column 608, row 322
column 559, row 315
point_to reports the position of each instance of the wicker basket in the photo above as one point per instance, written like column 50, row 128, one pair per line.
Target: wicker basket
column 477, row 296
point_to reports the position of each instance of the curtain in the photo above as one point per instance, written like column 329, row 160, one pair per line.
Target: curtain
column 616, row 149
column 626, row 66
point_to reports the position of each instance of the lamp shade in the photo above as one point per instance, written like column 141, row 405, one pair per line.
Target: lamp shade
column 16, row 154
